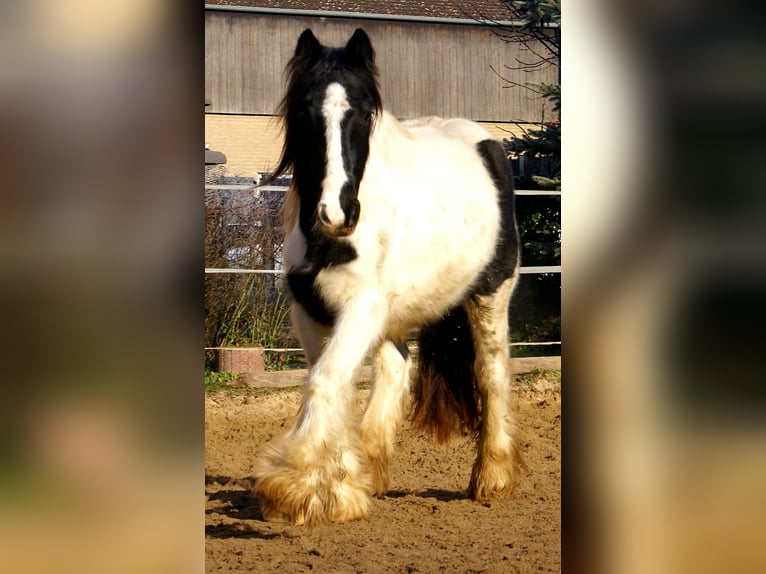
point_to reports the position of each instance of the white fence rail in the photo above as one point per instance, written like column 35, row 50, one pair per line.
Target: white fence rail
column 523, row 270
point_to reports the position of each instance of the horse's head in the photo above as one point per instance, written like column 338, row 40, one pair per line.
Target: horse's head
column 329, row 108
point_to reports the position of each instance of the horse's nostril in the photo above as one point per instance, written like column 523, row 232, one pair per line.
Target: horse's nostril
column 322, row 214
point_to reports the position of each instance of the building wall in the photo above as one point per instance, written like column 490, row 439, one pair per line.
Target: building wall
column 425, row 69
column 252, row 144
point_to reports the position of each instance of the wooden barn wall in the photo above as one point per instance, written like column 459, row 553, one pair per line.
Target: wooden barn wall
column 425, row 69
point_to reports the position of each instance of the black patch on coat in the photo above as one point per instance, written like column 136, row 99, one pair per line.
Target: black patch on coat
column 506, row 258
column 304, row 291
column 301, row 278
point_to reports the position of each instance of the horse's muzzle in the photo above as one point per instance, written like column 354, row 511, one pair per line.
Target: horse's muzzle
column 337, row 230
column 351, row 218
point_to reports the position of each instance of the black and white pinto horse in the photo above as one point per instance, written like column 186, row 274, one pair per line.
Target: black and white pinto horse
column 390, row 225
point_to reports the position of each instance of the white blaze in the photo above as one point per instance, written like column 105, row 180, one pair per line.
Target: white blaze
column 334, row 109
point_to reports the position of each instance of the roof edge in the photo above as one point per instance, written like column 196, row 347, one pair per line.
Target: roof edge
column 368, row 16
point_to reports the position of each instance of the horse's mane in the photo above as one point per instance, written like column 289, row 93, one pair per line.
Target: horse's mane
column 290, row 209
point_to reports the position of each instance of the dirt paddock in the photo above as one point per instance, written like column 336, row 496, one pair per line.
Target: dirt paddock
column 426, row 523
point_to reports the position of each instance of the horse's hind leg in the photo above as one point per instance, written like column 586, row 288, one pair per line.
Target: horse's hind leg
column 384, row 409
column 497, row 459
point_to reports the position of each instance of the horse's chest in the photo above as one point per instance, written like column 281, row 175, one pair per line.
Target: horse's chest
column 319, row 273
column 322, row 294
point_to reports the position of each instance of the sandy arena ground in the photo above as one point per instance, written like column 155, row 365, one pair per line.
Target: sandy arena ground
column 425, row 523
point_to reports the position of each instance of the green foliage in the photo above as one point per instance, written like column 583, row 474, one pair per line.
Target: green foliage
column 551, row 92
column 547, row 330
column 244, row 311
column 539, row 221
column 545, row 141
column 537, row 224
column 535, row 375
column 284, row 360
column 536, row 14
column 218, row 381
column 535, row 313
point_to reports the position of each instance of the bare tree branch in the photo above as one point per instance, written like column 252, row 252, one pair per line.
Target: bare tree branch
column 531, row 29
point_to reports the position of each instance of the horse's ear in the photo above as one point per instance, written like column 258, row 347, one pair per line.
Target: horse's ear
column 308, row 48
column 359, row 50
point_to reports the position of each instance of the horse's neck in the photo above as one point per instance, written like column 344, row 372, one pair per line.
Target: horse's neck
column 389, row 140
column 389, row 131
column 392, row 135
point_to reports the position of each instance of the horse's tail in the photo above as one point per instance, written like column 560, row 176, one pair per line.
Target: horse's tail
column 446, row 400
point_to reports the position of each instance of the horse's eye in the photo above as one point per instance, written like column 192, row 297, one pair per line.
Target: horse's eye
column 307, row 111
column 368, row 117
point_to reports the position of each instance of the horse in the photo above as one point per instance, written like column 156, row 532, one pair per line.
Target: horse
column 390, row 226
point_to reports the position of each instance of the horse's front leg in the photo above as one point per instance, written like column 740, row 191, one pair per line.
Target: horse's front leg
column 318, row 471
column 383, row 415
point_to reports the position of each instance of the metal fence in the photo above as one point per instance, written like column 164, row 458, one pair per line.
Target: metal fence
column 257, row 188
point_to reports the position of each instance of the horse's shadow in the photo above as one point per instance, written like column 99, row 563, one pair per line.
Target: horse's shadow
column 437, row 493
column 234, row 501
column 235, row 531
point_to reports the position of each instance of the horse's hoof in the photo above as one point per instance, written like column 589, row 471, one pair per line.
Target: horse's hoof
column 296, row 501
column 274, row 513
column 494, row 479
column 298, row 491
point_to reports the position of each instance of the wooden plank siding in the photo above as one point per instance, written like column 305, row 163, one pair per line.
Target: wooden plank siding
column 426, row 68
